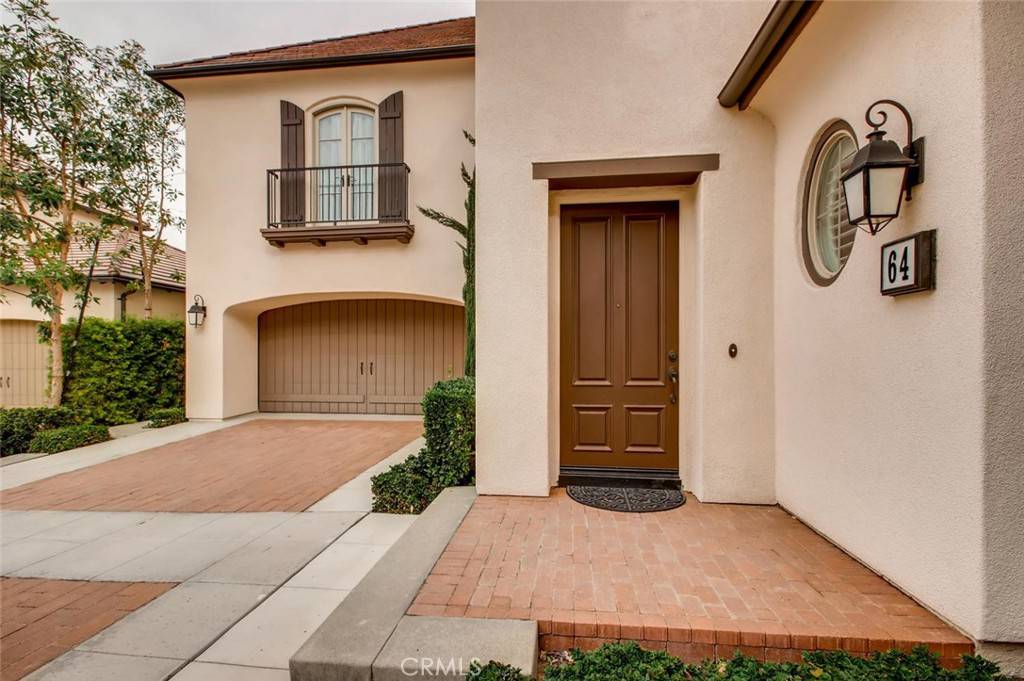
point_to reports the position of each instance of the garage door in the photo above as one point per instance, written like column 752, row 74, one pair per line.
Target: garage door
column 357, row 356
column 23, row 364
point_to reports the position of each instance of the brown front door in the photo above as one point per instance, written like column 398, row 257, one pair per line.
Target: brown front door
column 620, row 336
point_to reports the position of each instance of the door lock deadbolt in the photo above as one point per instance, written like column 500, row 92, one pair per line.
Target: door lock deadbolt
column 673, row 355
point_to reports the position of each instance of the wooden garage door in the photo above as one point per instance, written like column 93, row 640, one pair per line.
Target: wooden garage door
column 23, row 364
column 357, row 356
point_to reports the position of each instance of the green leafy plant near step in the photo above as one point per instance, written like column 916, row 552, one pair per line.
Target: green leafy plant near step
column 446, row 460
column 160, row 418
column 18, row 426
column 68, row 437
column 629, row 662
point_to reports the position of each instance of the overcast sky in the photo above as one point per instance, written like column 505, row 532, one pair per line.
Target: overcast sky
column 171, row 31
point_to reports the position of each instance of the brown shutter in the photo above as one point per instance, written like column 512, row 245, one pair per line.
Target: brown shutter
column 393, row 194
column 293, row 155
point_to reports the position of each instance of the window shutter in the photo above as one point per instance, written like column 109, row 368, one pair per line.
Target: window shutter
column 393, row 194
column 293, row 156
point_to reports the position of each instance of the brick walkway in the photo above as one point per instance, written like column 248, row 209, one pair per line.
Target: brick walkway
column 262, row 465
column 699, row 581
column 41, row 619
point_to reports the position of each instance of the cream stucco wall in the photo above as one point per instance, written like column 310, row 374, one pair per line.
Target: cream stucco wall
column 166, row 304
column 565, row 81
column 880, row 403
column 233, row 126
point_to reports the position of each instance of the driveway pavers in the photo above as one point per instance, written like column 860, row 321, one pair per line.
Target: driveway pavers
column 40, row 619
column 261, row 465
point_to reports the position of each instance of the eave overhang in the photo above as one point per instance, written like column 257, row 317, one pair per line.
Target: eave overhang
column 780, row 29
column 645, row 171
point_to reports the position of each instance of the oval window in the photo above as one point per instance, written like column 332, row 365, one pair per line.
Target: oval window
column 827, row 233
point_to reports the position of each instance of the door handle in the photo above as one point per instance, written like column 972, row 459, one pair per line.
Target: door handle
column 673, row 378
column 360, row 368
column 371, row 368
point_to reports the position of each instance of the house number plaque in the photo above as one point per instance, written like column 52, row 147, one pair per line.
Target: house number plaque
column 908, row 264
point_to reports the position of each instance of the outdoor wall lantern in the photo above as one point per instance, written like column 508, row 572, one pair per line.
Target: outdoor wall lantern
column 197, row 313
column 880, row 173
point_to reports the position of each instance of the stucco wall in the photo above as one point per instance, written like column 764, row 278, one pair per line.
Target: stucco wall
column 166, row 304
column 564, row 81
column 1003, row 536
column 233, row 126
column 879, row 401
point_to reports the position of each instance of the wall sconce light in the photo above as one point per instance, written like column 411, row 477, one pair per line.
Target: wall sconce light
column 880, row 173
column 197, row 313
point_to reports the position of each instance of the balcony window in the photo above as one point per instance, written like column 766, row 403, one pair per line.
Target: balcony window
column 345, row 137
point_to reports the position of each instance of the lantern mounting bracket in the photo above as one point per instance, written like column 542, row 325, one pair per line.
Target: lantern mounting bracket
column 914, row 148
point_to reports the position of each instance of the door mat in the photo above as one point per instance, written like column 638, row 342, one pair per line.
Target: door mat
column 627, row 499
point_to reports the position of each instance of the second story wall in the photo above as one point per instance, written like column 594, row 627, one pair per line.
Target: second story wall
column 234, row 137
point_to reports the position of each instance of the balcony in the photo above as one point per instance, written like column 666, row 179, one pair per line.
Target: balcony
column 359, row 203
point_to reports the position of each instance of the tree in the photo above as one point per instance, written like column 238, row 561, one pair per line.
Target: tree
column 467, row 231
column 50, row 141
column 141, row 154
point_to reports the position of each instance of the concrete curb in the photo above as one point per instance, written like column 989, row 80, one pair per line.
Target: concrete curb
column 349, row 642
column 445, row 647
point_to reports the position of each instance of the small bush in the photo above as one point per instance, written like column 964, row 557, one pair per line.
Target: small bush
column 448, row 423
column 159, row 418
column 495, row 671
column 449, row 415
column 629, row 662
column 19, row 426
column 124, row 370
column 68, row 437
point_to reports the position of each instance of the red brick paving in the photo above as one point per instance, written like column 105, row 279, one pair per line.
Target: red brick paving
column 40, row 619
column 699, row 581
column 262, row 465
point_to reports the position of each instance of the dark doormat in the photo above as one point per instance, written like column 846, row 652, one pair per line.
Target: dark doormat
column 627, row 499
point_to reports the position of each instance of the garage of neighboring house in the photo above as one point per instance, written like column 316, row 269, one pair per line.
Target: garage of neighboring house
column 23, row 364
column 357, row 356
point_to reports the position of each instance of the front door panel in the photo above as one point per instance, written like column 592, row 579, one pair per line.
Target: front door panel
column 619, row 323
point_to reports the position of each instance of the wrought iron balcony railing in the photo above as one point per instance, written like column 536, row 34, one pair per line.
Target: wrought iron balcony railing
column 327, row 196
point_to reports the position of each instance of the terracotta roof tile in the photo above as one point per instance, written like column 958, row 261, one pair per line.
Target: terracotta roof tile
column 435, row 35
column 118, row 257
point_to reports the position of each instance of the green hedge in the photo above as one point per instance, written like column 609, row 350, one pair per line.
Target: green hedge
column 19, row 426
column 629, row 662
column 160, row 418
column 124, row 370
column 448, row 422
column 68, row 437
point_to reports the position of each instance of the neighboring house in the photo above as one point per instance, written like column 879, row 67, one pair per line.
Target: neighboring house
column 117, row 289
column 668, row 284
column 325, row 289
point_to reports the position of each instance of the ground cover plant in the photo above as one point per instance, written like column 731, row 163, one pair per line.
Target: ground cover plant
column 629, row 662
column 18, row 426
column 62, row 439
column 160, row 418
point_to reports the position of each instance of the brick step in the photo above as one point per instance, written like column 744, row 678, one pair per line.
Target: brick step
column 696, row 639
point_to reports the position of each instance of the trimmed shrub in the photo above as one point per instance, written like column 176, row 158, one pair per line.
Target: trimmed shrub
column 19, row 426
column 124, row 370
column 159, row 418
column 448, row 422
column 629, row 662
column 449, row 415
column 68, row 437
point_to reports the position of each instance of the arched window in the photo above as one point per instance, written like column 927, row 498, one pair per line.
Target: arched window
column 827, row 233
column 346, row 150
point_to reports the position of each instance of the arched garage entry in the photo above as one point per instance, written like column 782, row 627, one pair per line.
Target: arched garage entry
column 357, row 356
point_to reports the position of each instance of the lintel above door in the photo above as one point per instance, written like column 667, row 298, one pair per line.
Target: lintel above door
column 644, row 171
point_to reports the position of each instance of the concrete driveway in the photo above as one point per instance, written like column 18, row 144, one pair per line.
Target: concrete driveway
column 211, row 557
